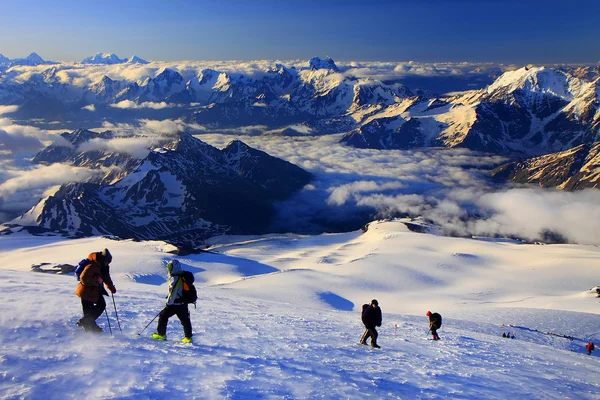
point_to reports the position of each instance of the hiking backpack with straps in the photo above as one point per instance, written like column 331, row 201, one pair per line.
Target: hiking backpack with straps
column 80, row 267
column 189, row 294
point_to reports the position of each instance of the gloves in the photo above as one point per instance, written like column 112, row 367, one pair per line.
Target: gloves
column 113, row 289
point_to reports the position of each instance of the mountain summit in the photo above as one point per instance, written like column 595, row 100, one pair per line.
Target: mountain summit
column 103, row 58
column 318, row 63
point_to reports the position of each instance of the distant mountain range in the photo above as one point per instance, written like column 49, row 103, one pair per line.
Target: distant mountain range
column 527, row 112
column 183, row 191
column 530, row 111
column 31, row 60
column 110, row 59
column 98, row 59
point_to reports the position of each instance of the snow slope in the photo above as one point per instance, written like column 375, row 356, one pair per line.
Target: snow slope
column 278, row 317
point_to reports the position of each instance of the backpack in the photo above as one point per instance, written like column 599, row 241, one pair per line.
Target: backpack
column 437, row 320
column 362, row 314
column 189, row 294
column 81, row 266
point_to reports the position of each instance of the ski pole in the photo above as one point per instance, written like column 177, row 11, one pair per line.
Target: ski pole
column 139, row 334
column 116, row 314
column 107, row 320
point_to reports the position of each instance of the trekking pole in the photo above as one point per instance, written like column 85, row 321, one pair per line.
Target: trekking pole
column 116, row 314
column 108, row 320
column 139, row 334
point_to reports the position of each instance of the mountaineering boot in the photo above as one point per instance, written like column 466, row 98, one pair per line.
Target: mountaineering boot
column 93, row 328
column 89, row 325
column 186, row 340
column 158, row 336
column 374, row 344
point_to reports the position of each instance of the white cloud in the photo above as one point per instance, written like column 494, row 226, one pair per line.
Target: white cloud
column 166, row 126
column 136, row 146
column 528, row 212
column 15, row 143
column 341, row 194
column 431, row 183
column 8, row 109
column 22, row 189
column 16, row 138
column 128, row 104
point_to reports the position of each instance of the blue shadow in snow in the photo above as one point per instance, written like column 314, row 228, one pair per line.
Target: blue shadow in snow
column 147, row 279
column 336, row 301
column 244, row 266
column 159, row 279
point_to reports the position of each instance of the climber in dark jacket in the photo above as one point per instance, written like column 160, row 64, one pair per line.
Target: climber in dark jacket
column 371, row 317
column 435, row 323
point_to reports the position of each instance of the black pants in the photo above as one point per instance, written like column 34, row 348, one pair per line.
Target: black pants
column 182, row 313
column 91, row 310
column 370, row 333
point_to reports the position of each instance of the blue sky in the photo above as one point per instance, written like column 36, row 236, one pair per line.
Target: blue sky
column 505, row 31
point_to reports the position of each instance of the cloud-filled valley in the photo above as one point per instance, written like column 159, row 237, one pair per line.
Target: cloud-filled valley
column 451, row 187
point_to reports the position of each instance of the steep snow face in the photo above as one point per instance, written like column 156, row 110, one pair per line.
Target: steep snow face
column 31, row 217
column 540, row 80
column 453, row 125
column 584, row 106
column 323, row 92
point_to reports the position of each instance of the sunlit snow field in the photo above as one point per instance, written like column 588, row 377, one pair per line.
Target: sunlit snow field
column 278, row 317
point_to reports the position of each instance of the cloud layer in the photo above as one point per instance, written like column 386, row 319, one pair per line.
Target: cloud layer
column 447, row 186
column 81, row 76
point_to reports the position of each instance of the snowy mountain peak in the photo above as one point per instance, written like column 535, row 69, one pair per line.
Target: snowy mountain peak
column 103, row 58
column 80, row 136
column 106, row 80
column 35, row 58
column 207, row 75
column 31, row 60
column 136, row 60
column 537, row 79
column 318, row 63
column 169, row 75
column 4, row 60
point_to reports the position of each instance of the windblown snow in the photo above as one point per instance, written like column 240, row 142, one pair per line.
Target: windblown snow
column 278, row 317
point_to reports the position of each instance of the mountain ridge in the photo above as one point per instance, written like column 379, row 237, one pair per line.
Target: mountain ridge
column 182, row 192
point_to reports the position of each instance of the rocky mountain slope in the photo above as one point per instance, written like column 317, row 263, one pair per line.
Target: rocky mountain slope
column 182, row 191
column 530, row 111
column 572, row 169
